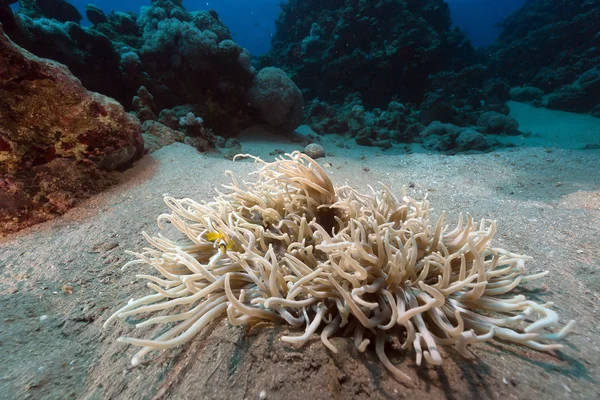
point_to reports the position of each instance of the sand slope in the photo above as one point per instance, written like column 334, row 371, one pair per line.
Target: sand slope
column 59, row 281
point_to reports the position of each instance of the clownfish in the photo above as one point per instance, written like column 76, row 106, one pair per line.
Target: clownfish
column 223, row 241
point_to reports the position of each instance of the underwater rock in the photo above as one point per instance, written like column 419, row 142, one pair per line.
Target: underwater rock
column 314, row 151
column 143, row 105
column 157, row 135
column 277, row 98
column 495, row 122
column 59, row 143
column 95, row 15
column 59, row 10
column 234, row 147
column 526, row 94
column 470, row 139
column 169, row 118
column 449, row 138
column 199, row 143
column 549, row 45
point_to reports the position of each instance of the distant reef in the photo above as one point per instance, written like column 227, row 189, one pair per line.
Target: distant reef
column 551, row 49
column 380, row 49
column 186, row 62
column 382, row 71
column 397, row 71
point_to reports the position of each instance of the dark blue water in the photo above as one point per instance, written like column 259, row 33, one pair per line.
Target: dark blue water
column 477, row 18
column 252, row 21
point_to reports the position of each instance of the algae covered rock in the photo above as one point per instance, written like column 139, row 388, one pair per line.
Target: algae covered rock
column 157, row 135
column 59, row 142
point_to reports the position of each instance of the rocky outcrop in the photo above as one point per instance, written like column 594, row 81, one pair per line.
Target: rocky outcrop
column 59, row 143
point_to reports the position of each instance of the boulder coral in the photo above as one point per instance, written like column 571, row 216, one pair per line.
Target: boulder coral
column 277, row 99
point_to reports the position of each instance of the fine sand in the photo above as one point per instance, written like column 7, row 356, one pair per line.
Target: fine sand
column 59, row 281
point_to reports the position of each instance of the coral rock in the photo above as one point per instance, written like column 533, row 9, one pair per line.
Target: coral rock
column 95, row 14
column 58, row 141
column 59, row 10
column 277, row 98
column 495, row 122
column 314, row 151
column 157, row 135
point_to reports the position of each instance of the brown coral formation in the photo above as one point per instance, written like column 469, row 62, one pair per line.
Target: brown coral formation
column 58, row 142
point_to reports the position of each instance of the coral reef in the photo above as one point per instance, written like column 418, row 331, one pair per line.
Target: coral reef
column 354, row 59
column 369, row 128
column 403, row 124
column 553, row 46
column 90, row 55
column 58, row 142
column 291, row 248
column 193, row 60
column 181, row 57
column 377, row 48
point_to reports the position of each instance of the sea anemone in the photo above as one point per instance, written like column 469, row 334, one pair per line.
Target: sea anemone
column 291, row 248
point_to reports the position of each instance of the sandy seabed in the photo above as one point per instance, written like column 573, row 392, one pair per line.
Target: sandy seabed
column 61, row 280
